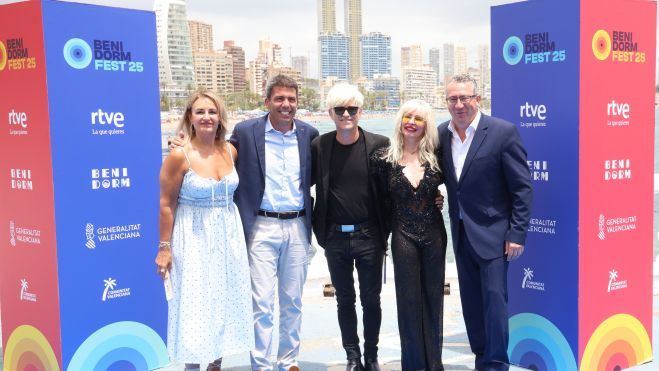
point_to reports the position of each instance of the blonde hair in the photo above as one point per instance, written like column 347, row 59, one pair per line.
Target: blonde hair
column 429, row 142
column 341, row 94
column 185, row 125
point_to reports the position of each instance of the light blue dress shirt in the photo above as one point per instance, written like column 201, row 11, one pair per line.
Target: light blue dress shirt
column 283, row 191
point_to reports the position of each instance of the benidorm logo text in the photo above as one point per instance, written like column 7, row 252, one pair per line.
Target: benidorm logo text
column 619, row 45
column 617, row 169
column 110, row 178
column 537, row 48
column 107, row 55
column 14, row 55
column 539, row 170
column 21, row 179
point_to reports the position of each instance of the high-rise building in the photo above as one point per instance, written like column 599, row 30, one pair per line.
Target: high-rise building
column 433, row 60
column 411, row 56
column 201, row 36
column 353, row 28
column 326, row 16
column 484, row 69
column 334, row 56
column 461, row 65
column 418, row 83
column 176, row 72
column 238, row 64
column 300, row 63
column 214, row 71
column 389, row 86
column 448, row 58
column 376, row 54
column 256, row 77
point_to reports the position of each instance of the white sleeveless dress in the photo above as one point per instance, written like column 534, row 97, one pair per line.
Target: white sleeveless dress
column 210, row 315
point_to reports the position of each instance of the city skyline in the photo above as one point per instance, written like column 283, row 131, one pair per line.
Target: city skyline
column 436, row 26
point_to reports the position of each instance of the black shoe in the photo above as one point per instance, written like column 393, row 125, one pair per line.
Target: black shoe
column 372, row 364
column 355, row 364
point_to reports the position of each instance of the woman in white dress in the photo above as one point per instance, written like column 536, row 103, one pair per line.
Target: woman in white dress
column 202, row 247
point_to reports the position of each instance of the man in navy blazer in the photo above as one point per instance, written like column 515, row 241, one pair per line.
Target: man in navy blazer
column 489, row 193
column 275, row 205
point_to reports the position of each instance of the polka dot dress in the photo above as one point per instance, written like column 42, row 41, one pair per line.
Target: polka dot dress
column 210, row 315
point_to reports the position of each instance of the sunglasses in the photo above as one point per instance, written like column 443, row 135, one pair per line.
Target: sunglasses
column 409, row 118
column 339, row 111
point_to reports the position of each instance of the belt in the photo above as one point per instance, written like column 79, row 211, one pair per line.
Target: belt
column 351, row 227
column 282, row 215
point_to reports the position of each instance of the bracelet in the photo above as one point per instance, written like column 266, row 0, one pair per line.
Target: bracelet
column 164, row 245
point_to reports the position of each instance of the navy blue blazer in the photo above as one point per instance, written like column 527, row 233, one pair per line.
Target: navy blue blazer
column 249, row 139
column 494, row 191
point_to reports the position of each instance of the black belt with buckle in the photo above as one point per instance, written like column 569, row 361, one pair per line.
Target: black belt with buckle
column 282, row 215
column 347, row 228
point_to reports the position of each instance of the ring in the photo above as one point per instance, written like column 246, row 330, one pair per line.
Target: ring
column 162, row 270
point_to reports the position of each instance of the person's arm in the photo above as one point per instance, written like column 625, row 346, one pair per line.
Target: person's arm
column 518, row 181
column 171, row 177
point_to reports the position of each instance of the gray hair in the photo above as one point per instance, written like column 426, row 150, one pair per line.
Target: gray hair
column 342, row 94
column 463, row 78
column 281, row 81
column 429, row 141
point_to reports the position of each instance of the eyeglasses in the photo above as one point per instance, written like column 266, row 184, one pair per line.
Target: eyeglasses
column 409, row 118
column 339, row 111
column 464, row 99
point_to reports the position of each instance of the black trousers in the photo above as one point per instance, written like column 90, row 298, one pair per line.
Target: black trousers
column 419, row 265
column 344, row 251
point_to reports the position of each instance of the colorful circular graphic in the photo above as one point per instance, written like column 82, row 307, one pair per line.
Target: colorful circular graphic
column 619, row 342
column 601, row 44
column 121, row 346
column 538, row 344
column 3, row 56
column 77, row 53
column 513, row 50
column 28, row 349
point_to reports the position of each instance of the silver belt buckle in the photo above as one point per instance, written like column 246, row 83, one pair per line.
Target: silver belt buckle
column 347, row 228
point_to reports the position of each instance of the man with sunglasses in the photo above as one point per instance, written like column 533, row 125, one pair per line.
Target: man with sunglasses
column 348, row 221
column 489, row 193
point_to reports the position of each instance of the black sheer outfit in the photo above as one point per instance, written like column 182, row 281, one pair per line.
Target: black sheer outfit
column 418, row 245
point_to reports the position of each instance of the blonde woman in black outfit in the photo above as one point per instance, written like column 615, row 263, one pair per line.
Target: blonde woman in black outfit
column 408, row 175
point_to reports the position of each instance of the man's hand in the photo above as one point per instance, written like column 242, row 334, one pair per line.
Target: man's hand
column 513, row 250
column 439, row 200
column 177, row 141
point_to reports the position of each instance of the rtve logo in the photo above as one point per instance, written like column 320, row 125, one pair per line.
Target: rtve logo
column 618, row 109
column 533, row 110
column 18, row 118
column 108, row 118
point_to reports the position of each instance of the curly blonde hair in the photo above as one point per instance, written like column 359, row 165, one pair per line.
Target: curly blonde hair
column 429, row 141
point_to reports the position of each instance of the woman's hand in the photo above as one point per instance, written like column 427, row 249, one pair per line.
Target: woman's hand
column 164, row 262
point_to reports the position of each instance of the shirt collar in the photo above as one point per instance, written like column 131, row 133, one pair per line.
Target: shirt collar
column 269, row 127
column 473, row 125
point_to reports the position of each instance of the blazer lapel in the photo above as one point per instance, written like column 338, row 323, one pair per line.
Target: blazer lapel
column 303, row 149
column 325, row 154
column 447, row 137
column 259, row 141
column 479, row 136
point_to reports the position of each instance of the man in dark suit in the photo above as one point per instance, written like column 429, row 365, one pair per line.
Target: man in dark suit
column 348, row 221
column 489, row 193
column 273, row 198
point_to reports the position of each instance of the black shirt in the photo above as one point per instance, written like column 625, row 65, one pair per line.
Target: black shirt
column 349, row 200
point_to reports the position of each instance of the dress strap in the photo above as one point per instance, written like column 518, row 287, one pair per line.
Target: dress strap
column 186, row 157
column 230, row 152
